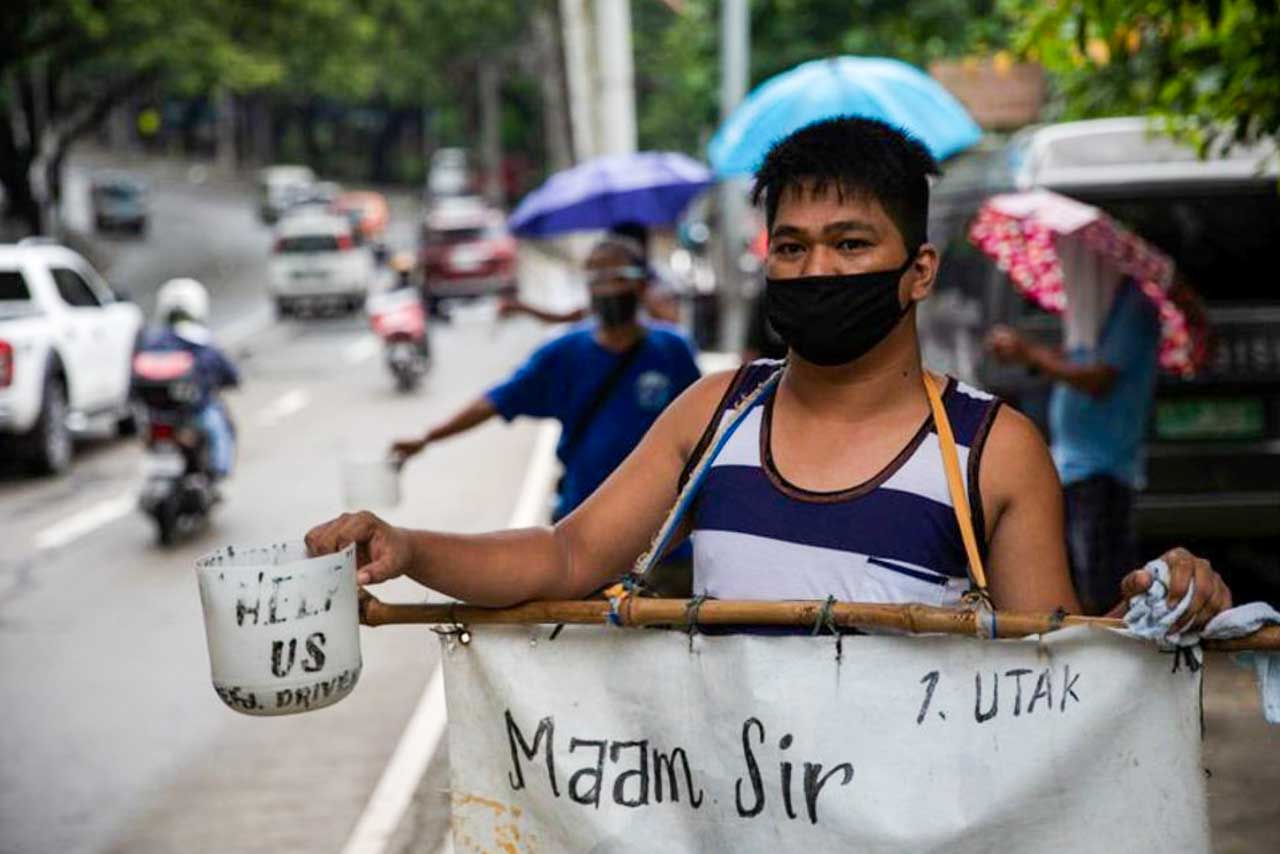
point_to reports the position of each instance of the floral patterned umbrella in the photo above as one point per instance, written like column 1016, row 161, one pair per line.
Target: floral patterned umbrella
column 1030, row 235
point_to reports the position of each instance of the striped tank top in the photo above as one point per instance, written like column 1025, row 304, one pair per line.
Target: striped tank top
column 892, row 539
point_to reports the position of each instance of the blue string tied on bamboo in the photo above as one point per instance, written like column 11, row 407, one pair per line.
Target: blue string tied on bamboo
column 629, row 585
column 984, row 615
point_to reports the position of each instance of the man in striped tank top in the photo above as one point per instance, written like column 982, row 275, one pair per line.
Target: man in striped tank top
column 832, row 481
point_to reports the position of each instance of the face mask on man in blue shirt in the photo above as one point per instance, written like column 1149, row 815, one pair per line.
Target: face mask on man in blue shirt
column 615, row 294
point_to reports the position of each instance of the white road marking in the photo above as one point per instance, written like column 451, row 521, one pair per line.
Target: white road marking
column 421, row 737
column 399, row 781
column 86, row 521
column 539, row 478
column 103, row 513
column 282, row 407
column 359, row 351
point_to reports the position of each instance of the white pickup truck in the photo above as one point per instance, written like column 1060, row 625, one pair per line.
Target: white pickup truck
column 66, row 344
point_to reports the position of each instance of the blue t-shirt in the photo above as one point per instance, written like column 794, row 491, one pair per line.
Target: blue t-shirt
column 1103, row 435
column 561, row 379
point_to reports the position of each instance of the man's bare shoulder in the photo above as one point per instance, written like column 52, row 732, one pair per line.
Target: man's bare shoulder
column 1016, row 456
column 689, row 414
column 701, row 399
column 1012, row 431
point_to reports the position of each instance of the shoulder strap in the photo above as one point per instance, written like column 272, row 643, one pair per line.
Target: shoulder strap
column 602, row 394
column 685, row 498
column 955, row 485
column 740, row 385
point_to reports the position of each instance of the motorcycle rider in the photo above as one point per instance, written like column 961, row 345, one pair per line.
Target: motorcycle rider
column 182, row 313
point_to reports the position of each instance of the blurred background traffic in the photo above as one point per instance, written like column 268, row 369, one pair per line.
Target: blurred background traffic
column 386, row 202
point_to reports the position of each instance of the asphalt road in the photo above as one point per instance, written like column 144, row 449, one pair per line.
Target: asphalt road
column 112, row 737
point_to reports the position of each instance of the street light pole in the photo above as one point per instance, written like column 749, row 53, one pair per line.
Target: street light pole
column 617, row 132
column 735, row 49
column 577, row 64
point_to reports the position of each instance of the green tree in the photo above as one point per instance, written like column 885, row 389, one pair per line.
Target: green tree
column 677, row 53
column 1209, row 72
column 66, row 63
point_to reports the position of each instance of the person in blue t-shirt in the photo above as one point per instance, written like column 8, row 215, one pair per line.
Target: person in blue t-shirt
column 1097, row 420
column 605, row 381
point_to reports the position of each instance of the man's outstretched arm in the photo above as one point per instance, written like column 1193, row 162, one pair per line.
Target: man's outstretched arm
column 1093, row 378
column 472, row 415
column 590, row 547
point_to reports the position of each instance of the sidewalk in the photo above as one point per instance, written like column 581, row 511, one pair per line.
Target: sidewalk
column 1242, row 761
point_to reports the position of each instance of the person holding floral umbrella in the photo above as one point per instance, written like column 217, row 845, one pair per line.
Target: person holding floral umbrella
column 1118, row 328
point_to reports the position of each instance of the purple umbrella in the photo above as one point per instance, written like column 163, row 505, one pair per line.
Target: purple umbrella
column 648, row 188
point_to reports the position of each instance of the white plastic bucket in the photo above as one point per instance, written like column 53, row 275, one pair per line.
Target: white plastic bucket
column 283, row 629
column 370, row 482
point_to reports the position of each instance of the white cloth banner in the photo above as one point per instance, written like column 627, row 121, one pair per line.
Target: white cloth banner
column 639, row 740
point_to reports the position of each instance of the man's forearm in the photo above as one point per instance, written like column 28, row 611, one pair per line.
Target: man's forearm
column 548, row 316
column 1094, row 379
column 496, row 569
column 475, row 413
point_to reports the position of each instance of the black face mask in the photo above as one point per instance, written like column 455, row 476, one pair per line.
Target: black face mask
column 832, row 320
column 616, row 309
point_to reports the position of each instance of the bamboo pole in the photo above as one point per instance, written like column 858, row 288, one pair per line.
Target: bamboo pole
column 636, row 612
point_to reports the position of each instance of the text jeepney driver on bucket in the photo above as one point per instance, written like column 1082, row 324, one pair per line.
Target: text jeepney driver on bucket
column 835, row 485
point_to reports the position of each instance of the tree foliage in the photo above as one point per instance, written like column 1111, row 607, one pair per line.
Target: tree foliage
column 1210, row 71
column 65, row 63
column 677, row 54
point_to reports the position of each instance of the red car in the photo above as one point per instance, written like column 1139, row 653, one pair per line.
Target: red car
column 466, row 250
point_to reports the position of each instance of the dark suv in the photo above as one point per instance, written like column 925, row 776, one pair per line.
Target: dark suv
column 1214, row 440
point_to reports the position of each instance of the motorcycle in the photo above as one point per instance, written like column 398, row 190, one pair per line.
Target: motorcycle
column 397, row 317
column 178, row 489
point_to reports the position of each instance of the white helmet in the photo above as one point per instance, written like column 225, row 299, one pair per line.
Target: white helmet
column 183, row 295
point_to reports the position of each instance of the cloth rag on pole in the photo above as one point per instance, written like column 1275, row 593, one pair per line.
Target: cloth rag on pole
column 1151, row 616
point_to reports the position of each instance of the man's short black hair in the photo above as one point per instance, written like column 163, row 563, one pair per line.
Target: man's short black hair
column 853, row 156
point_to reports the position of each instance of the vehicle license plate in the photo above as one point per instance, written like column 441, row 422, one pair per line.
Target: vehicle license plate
column 466, row 258
column 1228, row 418
column 165, row 464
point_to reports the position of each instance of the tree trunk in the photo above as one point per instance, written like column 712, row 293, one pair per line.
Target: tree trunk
column 15, row 167
column 22, row 204
column 31, row 165
column 489, row 82
column 310, row 141
column 225, row 131
column 385, row 145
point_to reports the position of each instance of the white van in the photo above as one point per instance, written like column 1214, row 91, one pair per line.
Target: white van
column 279, row 187
column 317, row 263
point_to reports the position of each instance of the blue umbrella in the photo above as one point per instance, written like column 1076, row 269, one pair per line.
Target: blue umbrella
column 871, row 87
column 649, row 188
